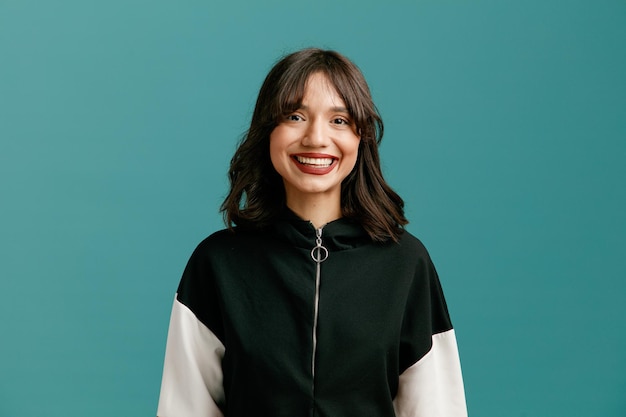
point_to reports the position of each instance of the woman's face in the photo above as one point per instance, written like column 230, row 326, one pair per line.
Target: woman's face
column 315, row 147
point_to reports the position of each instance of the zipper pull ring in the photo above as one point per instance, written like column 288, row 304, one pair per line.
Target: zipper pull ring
column 319, row 253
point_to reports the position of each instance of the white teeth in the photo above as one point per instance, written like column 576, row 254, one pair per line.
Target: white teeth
column 321, row 162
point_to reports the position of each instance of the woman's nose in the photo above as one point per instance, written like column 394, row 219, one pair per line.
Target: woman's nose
column 315, row 135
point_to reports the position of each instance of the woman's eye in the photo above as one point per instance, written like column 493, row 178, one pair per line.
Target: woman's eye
column 341, row 121
column 294, row 118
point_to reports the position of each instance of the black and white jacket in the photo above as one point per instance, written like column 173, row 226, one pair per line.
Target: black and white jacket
column 293, row 322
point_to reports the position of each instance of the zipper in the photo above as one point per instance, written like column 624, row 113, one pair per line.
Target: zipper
column 319, row 254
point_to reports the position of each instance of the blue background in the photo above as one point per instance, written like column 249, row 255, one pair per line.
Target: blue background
column 506, row 135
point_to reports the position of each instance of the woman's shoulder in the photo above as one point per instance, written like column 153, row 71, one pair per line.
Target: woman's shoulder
column 411, row 242
column 228, row 238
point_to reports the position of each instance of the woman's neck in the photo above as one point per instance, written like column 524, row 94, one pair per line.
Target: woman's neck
column 318, row 209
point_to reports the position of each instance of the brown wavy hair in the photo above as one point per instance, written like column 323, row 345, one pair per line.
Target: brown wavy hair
column 257, row 193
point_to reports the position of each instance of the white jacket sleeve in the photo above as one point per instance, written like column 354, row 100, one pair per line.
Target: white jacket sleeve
column 433, row 386
column 192, row 372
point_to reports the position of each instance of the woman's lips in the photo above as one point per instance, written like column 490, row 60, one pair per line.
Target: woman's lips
column 316, row 164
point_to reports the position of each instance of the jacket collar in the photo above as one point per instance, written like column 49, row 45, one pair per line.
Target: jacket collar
column 340, row 234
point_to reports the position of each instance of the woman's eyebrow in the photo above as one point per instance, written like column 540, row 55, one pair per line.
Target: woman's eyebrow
column 334, row 109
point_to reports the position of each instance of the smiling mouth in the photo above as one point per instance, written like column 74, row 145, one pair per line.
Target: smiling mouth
column 314, row 162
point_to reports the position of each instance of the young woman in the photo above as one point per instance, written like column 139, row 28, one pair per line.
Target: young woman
column 314, row 301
